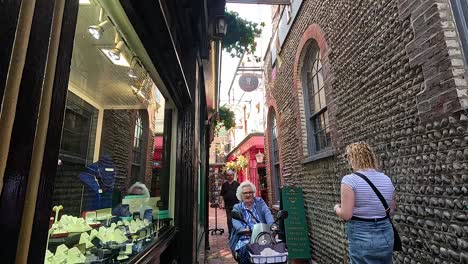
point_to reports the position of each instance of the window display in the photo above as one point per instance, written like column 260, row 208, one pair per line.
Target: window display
column 112, row 152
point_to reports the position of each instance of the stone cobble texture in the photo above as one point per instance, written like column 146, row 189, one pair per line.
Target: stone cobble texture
column 393, row 80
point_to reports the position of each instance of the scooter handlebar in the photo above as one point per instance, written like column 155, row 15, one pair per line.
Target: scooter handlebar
column 245, row 232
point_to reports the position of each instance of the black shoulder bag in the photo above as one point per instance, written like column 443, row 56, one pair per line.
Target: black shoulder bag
column 396, row 237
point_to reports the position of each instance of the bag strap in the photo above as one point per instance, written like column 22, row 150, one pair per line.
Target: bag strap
column 253, row 216
column 377, row 192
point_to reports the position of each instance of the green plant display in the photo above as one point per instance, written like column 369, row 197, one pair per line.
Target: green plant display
column 240, row 36
column 227, row 117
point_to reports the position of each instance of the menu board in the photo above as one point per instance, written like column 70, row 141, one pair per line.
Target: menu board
column 292, row 201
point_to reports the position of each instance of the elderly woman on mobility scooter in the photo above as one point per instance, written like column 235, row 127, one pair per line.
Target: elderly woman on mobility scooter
column 250, row 207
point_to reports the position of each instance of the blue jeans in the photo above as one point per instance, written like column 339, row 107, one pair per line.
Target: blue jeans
column 370, row 242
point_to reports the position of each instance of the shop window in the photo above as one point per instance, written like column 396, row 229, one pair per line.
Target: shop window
column 318, row 129
column 460, row 11
column 79, row 126
column 113, row 192
column 261, row 171
column 275, row 161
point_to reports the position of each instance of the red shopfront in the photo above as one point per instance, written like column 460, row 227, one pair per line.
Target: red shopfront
column 252, row 148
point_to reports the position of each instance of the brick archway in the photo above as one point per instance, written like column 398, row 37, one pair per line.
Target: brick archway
column 272, row 108
column 313, row 35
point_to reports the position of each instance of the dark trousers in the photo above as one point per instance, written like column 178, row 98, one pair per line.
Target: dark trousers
column 229, row 218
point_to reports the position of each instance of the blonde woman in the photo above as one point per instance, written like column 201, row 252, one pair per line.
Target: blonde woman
column 369, row 230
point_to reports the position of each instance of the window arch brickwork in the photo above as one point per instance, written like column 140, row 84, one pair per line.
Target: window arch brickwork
column 314, row 36
column 273, row 109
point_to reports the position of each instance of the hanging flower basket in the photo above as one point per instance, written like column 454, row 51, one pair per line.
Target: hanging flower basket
column 242, row 162
column 238, row 165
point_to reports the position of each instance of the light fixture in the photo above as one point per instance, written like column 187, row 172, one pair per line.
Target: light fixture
column 98, row 30
column 135, row 90
column 132, row 73
column 220, row 27
column 85, row 2
column 259, row 157
column 139, row 93
column 122, row 61
column 115, row 52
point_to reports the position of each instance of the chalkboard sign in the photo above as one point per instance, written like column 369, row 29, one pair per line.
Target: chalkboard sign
column 295, row 225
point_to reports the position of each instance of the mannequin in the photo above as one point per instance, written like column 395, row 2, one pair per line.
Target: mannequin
column 99, row 179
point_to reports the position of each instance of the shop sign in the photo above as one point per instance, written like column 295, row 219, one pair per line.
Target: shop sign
column 248, row 82
column 297, row 240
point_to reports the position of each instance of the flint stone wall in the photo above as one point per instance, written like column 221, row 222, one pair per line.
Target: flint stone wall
column 396, row 82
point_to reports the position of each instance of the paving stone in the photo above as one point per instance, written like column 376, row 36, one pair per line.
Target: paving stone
column 219, row 244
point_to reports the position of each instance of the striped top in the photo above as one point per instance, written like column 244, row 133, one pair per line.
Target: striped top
column 367, row 203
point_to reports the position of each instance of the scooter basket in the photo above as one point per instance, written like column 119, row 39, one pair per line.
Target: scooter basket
column 279, row 258
column 280, row 253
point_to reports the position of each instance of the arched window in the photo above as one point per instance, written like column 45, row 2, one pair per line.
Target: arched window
column 275, row 161
column 138, row 143
column 460, row 11
column 315, row 102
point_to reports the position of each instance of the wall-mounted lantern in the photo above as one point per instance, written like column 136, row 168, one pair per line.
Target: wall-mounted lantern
column 220, row 27
column 259, row 157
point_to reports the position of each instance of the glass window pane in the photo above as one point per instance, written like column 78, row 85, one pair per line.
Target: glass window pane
column 322, row 98
column 320, row 79
column 319, row 64
column 313, row 66
column 322, row 120
column 317, row 124
column 316, row 103
column 325, row 117
column 317, row 142
column 98, row 173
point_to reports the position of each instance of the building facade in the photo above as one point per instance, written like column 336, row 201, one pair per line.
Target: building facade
column 393, row 74
column 96, row 96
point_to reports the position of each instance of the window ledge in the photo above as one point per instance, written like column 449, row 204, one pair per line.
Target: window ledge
column 321, row 155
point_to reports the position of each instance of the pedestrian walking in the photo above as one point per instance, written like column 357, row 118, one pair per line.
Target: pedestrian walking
column 228, row 192
column 367, row 201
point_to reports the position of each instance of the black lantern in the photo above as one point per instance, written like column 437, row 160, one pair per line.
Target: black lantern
column 220, row 27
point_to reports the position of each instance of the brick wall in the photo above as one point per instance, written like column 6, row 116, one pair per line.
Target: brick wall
column 117, row 140
column 381, row 90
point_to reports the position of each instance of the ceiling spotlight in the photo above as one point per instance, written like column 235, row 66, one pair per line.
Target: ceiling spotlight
column 98, row 30
column 115, row 52
column 132, row 73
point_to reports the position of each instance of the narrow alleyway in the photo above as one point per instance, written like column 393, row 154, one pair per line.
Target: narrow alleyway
column 219, row 252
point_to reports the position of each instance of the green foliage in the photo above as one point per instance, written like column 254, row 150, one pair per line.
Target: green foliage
column 240, row 35
column 226, row 119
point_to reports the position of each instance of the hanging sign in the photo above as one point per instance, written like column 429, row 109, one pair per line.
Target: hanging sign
column 295, row 225
column 248, row 82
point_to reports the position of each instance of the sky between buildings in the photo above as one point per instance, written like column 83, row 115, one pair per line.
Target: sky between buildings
column 253, row 13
